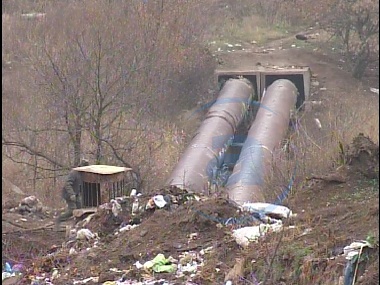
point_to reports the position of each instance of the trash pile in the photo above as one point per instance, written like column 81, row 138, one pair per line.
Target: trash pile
column 125, row 213
column 29, row 205
column 135, row 233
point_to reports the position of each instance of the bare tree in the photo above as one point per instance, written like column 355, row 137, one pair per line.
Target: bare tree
column 100, row 75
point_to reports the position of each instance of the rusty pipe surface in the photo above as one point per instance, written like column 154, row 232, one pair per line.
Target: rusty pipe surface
column 205, row 152
column 265, row 134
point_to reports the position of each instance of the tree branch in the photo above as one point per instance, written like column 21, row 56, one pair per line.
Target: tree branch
column 30, row 150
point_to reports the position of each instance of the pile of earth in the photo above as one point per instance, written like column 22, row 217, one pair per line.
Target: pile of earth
column 363, row 157
column 189, row 227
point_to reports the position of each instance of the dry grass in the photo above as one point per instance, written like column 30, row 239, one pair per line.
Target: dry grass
column 249, row 29
column 347, row 116
column 237, row 26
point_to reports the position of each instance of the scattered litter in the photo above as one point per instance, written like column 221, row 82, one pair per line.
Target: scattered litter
column 18, row 268
column 193, row 236
column 7, row 267
column 354, row 248
column 33, row 15
column 229, row 45
column 116, row 207
column 84, row 281
column 188, row 268
column 244, row 236
column 319, row 125
column 10, row 271
column 72, row 251
column 160, row 264
column 206, row 250
column 157, row 201
column 127, row 228
column 6, row 275
column 353, row 253
column 374, row 90
column 305, row 232
column 55, row 274
column 323, row 89
column 70, row 232
column 271, row 210
column 85, row 234
column 138, row 265
column 110, row 283
column 293, row 46
column 135, row 206
column 189, row 260
column 30, row 204
column 150, row 281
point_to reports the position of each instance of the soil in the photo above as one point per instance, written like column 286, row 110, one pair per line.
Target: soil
column 330, row 214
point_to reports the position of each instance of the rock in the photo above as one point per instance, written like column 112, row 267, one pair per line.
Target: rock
column 315, row 83
column 13, row 280
column 301, row 37
column 107, row 276
column 92, row 255
column 236, row 272
column 143, row 233
column 126, row 258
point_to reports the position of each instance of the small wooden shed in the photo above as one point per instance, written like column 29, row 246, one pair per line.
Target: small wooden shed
column 101, row 183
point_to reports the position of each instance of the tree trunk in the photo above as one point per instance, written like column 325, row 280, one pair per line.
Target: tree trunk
column 361, row 62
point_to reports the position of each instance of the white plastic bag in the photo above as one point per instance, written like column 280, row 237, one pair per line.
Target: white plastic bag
column 268, row 209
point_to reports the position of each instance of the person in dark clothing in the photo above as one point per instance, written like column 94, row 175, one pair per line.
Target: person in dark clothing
column 71, row 193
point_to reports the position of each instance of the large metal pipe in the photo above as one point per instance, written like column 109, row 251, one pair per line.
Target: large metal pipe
column 205, row 152
column 265, row 134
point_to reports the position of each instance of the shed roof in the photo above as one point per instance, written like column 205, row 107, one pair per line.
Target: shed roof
column 102, row 169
